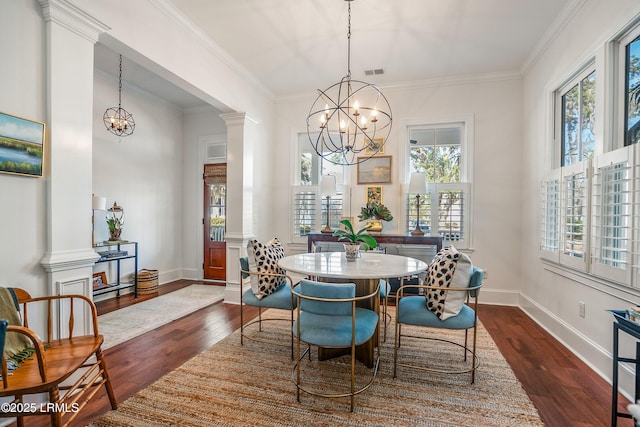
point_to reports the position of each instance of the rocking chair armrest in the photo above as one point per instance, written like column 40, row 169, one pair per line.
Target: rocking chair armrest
column 37, row 344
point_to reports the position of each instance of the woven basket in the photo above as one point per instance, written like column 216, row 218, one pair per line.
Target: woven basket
column 147, row 281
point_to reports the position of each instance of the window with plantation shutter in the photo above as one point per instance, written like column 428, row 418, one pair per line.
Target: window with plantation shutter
column 447, row 215
column 305, row 210
column 550, row 217
column 611, row 215
column 574, row 214
column 310, row 211
column 440, row 151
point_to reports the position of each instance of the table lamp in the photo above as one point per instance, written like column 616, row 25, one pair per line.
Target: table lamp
column 417, row 186
column 327, row 189
column 97, row 204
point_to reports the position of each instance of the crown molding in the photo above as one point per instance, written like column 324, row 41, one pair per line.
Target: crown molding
column 173, row 13
column 69, row 16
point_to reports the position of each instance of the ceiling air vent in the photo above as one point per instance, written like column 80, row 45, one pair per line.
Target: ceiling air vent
column 376, row 72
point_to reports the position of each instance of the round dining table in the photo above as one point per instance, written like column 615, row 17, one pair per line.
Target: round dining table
column 366, row 272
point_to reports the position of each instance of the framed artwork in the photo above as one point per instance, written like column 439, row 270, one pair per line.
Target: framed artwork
column 376, row 147
column 375, row 170
column 100, row 280
column 374, row 194
column 21, row 146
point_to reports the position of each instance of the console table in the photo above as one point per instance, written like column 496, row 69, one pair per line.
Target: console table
column 387, row 240
column 115, row 252
column 622, row 323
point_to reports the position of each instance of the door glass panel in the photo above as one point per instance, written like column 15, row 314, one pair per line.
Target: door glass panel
column 217, row 212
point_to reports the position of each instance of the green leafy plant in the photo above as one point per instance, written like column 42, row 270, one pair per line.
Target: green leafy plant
column 114, row 223
column 375, row 210
column 353, row 237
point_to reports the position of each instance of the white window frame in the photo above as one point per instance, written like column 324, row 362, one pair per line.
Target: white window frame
column 466, row 123
column 318, row 165
column 558, row 94
column 621, row 42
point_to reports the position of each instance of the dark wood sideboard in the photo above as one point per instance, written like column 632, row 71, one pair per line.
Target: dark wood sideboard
column 393, row 243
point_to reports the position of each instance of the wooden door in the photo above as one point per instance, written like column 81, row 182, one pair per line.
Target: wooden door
column 215, row 210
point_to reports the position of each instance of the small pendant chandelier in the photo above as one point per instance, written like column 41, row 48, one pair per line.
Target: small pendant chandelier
column 350, row 121
column 118, row 120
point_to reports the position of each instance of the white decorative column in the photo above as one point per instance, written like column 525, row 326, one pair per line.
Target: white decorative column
column 70, row 38
column 240, row 196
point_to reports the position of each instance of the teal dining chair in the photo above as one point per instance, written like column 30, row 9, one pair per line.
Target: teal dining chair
column 281, row 299
column 412, row 309
column 327, row 316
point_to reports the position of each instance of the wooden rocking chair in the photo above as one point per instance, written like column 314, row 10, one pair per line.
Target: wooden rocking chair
column 67, row 360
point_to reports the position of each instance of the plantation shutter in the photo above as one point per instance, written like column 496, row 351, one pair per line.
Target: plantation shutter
column 550, row 217
column 612, row 215
column 574, row 214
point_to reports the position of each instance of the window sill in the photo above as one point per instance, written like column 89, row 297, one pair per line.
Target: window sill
column 608, row 287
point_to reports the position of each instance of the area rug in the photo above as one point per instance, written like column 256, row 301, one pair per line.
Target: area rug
column 251, row 385
column 129, row 322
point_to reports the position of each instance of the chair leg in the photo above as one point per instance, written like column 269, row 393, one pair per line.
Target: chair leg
column 473, row 353
column 107, row 380
column 385, row 305
column 19, row 420
column 353, row 373
column 298, row 361
column 396, row 344
column 241, row 320
column 291, row 328
column 466, row 341
column 56, row 417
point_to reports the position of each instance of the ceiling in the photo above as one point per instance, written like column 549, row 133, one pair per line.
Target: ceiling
column 299, row 46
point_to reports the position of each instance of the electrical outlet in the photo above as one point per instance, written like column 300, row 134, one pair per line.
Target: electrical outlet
column 581, row 308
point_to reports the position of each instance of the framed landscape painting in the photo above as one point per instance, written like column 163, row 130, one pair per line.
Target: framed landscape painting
column 375, row 170
column 21, row 145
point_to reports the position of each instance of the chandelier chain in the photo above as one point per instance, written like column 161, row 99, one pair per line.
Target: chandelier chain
column 349, row 41
column 120, row 85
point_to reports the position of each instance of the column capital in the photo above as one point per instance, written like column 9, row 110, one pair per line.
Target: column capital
column 234, row 119
column 69, row 16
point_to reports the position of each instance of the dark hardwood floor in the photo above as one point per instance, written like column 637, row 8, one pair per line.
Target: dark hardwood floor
column 565, row 391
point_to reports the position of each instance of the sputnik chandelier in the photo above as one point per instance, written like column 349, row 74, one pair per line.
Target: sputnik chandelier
column 118, row 120
column 350, row 121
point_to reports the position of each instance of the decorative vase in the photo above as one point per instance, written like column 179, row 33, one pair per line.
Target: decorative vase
column 352, row 251
column 376, row 225
column 115, row 234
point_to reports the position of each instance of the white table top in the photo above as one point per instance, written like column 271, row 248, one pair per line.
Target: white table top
column 369, row 266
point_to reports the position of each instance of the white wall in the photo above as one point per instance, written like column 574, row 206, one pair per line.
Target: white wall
column 551, row 295
column 494, row 105
column 197, row 124
column 23, row 198
column 143, row 173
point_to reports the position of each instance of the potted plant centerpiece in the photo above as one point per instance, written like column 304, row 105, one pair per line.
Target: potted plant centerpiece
column 352, row 247
column 374, row 213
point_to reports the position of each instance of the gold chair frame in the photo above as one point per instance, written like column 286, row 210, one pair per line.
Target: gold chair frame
column 470, row 301
column 259, row 319
column 296, row 369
